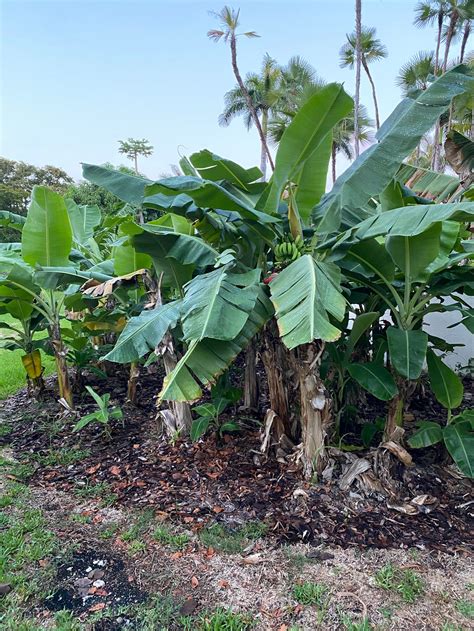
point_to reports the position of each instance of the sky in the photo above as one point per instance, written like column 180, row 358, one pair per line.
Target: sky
column 78, row 75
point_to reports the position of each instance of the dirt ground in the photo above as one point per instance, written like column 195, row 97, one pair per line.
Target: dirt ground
column 135, row 533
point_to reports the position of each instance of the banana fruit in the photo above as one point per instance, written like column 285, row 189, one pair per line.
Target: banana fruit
column 290, row 249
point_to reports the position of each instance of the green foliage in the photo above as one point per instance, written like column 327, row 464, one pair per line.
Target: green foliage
column 165, row 536
column 229, row 541
column 225, row 620
column 103, row 415
column 405, row 582
column 311, row 594
column 458, row 437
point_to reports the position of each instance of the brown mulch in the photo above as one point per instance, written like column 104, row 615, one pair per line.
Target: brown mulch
column 226, row 481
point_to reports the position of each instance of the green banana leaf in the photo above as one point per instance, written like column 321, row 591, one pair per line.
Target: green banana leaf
column 459, row 441
column 206, row 359
column 359, row 326
column 210, row 194
column 414, row 254
column 436, row 186
column 446, row 385
column 128, row 188
column 303, row 295
column 306, row 132
column 212, row 167
column 368, row 176
column 216, row 305
column 47, row 235
column 429, row 434
column 84, row 219
column 407, row 351
column 144, row 332
column 311, row 179
column 375, row 379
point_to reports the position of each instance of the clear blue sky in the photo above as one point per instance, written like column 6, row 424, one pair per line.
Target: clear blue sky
column 79, row 75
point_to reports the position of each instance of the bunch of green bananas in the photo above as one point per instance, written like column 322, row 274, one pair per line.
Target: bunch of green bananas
column 290, row 249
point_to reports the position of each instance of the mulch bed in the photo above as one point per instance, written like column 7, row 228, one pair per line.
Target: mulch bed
column 226, row 481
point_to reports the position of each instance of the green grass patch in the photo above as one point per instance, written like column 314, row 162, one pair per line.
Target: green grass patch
column 232, row 541
column 406, row 583
column 164, row 535
column 311, row 594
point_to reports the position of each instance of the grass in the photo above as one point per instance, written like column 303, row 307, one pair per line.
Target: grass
column 232, row 541
column 12, row 373
column 24, row 541
column 165, row 536
column 466, row 608
column 311, row 594
column 405, row 582
column 224, row 620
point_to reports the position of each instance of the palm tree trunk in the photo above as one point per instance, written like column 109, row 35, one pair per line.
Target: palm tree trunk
column 465, row 37
column 449, row 37
column 333, row 161
column 235, row 68
column 263, row 153
column 374, row 94
column 438, row 40
column 358, row 10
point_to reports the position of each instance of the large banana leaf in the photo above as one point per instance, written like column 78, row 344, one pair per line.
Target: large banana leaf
column 212, row 167
column 305, row 134
column 436, row 186
column 414, row 254
column 175, row 256
column 217, row 305
column 205, row 360
column 128, row 188
column 397, row 138
column 311, row 180
column 407, row 351
column 304, row 294
column 410, row 220
column 375, row 379
column 369, row 257
column 209, row 194
column 143, row 333
column 47, row 235
column 84, row 219
column 459, row 440
column 359, row 326
column 445, row 383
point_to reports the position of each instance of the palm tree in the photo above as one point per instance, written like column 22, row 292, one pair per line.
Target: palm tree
column 427, row 13
column 417, row 73
column 372, row 50
column 458, row 12
column 465, row 37
column 263, row 90
column 229, row 21
column 343, row 136
column 358, row 62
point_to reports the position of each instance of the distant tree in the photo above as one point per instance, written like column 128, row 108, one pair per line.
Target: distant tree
column 417, row 72
column 263, row 89
column 133, row 148
column 229, row 21
column 427, row 13
column 16, row 183
column 343, row 136
column 372, row 50
column 358, row 64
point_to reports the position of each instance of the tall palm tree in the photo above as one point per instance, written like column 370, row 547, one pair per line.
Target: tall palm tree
column 427, row 13
column 417, row 72
column 263, row 89
column 229, row 21
column 372, row 50
column 458, row 11
column 343, row 136
column 358, row 62
column 465, row 36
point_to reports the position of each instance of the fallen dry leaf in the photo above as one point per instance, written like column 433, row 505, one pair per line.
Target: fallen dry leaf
column 194, row 582
column 252, row 559
column 97, row 607
column 114, row 470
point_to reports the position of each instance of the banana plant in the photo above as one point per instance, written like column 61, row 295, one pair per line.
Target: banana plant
column 410, row 258
column 39, row 274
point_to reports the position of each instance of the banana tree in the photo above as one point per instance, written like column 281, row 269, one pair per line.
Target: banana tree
column 39, row 274
column 410, row 257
